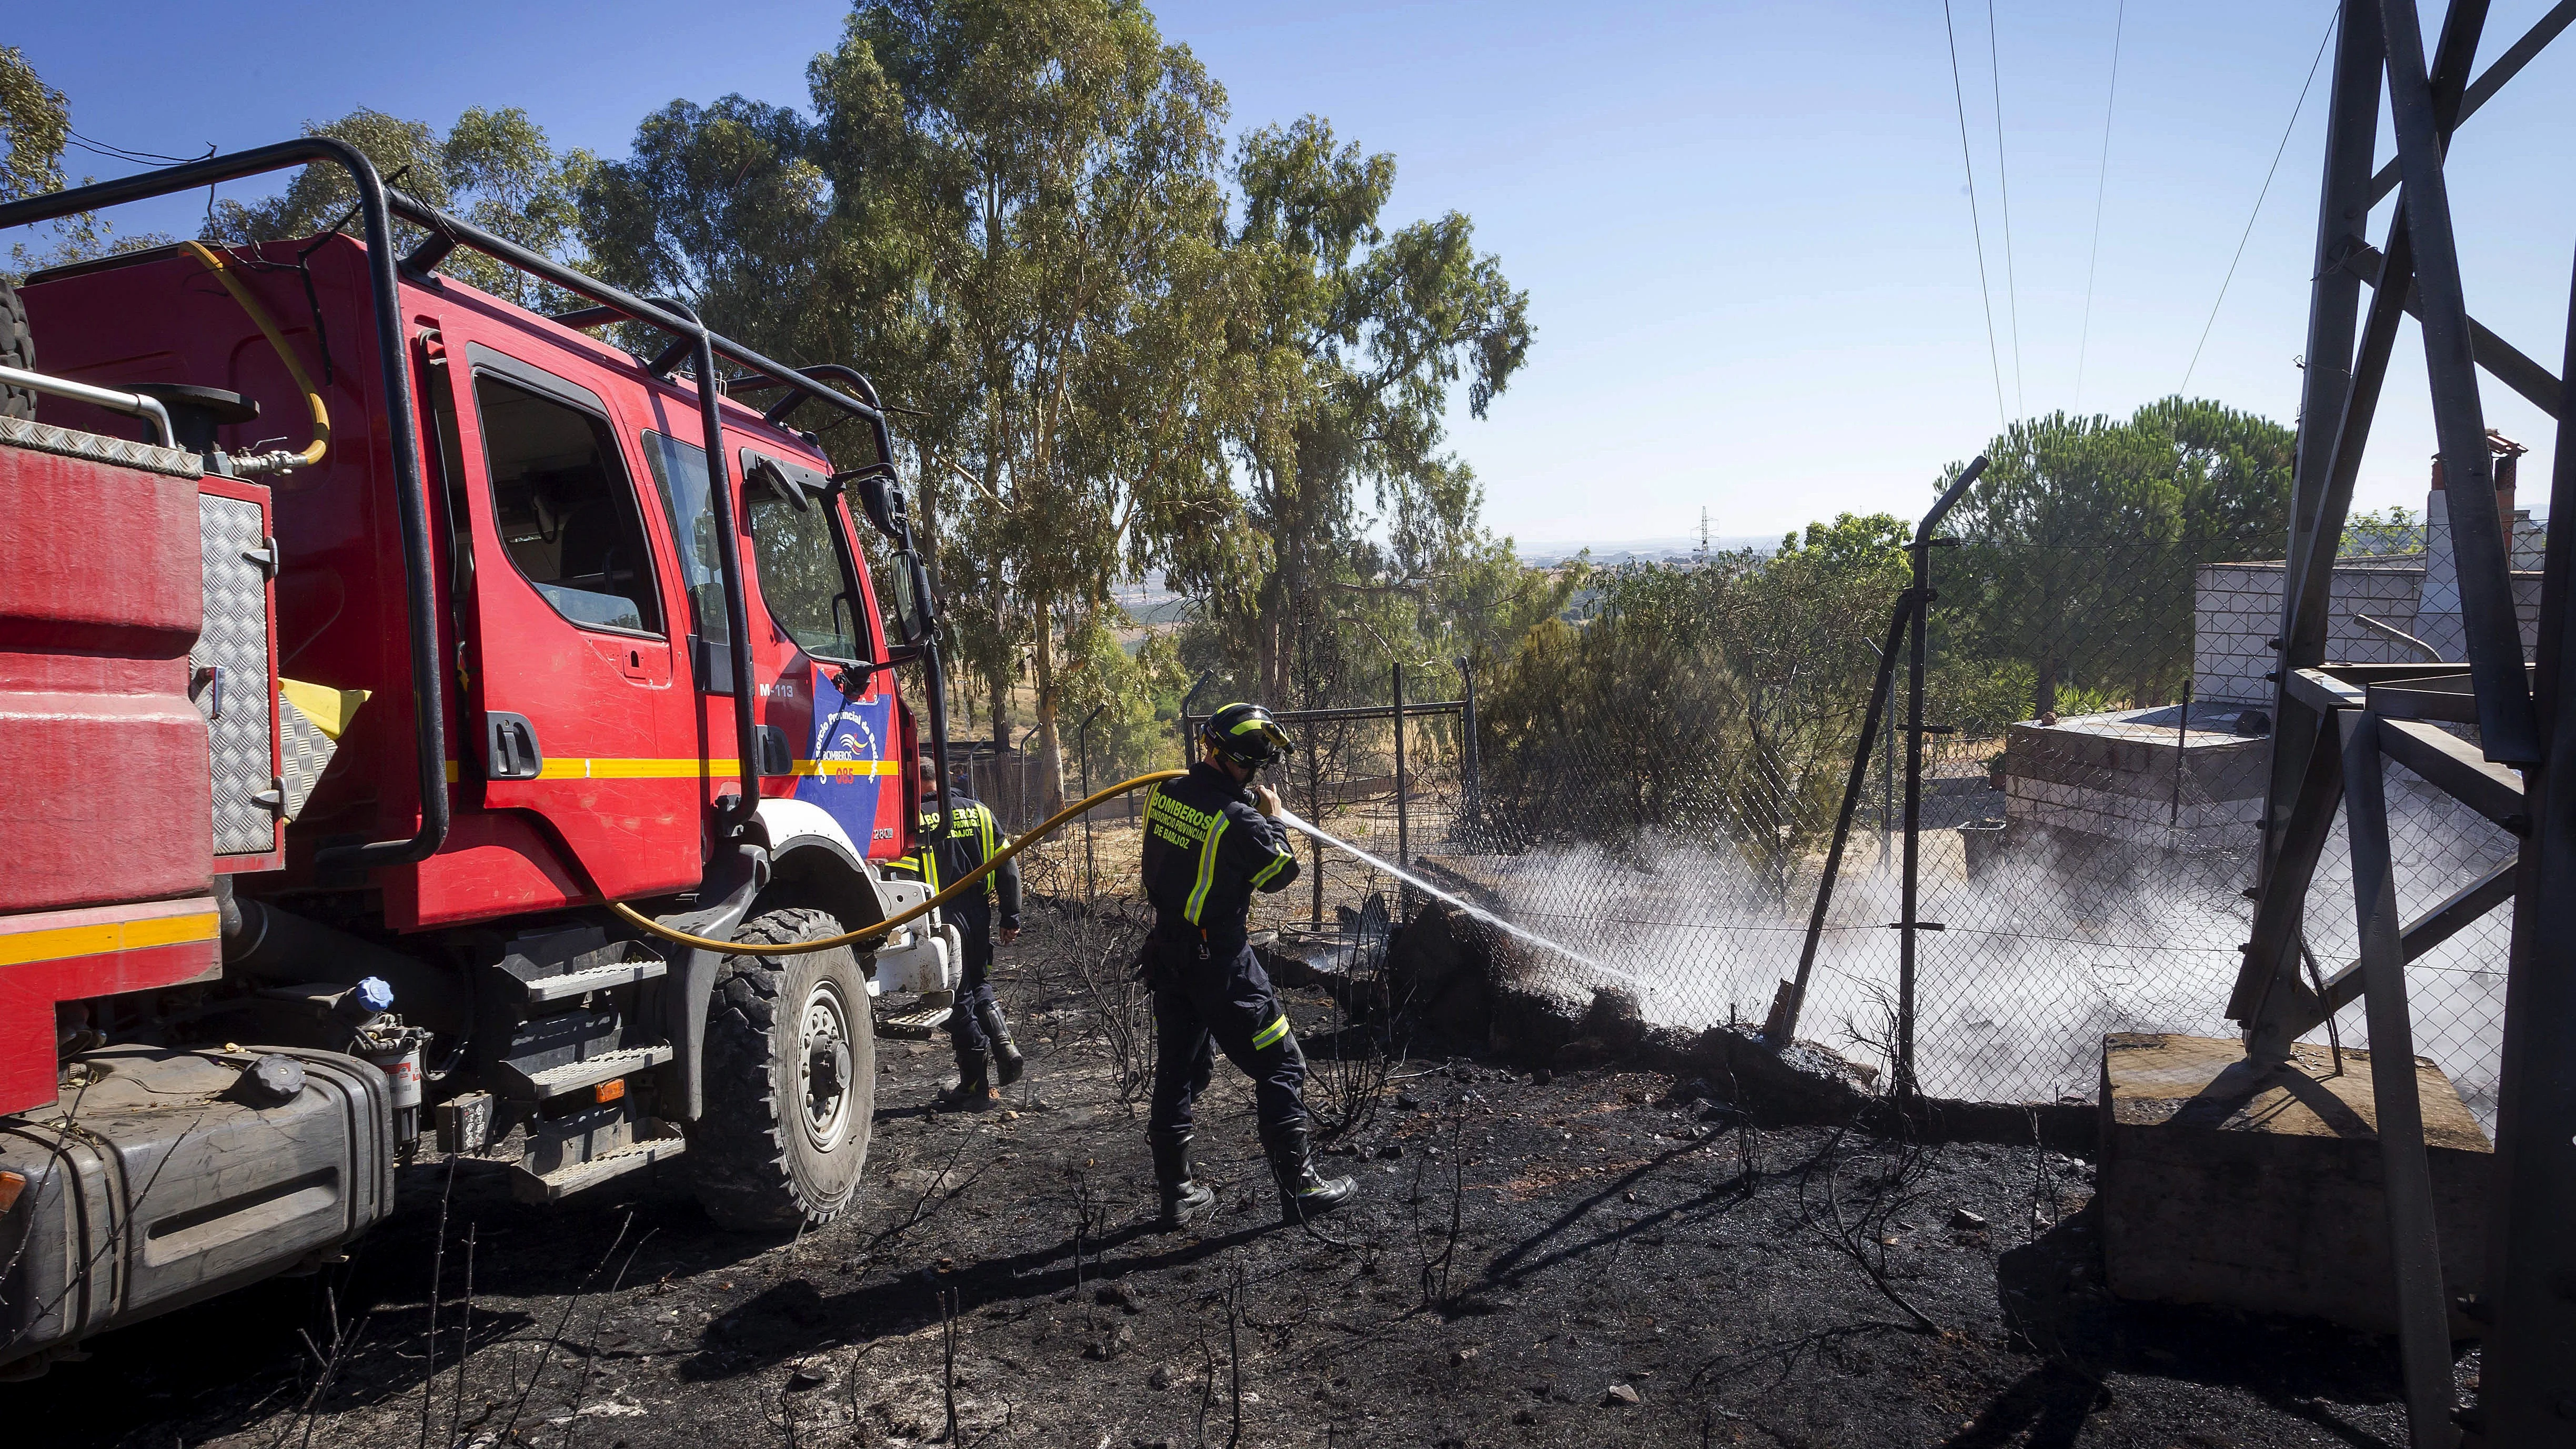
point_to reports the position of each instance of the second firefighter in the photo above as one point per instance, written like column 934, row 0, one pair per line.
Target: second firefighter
column 981, row 1036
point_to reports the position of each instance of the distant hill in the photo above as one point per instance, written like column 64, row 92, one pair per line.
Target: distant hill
column 1612, row 553
column 1150, row 604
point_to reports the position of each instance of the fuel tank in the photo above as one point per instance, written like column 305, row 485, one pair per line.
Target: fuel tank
column 167, row 1177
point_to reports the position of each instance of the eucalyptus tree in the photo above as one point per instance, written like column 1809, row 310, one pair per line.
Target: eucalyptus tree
column 1355, row 341
column 1055, row 167
column 722, row 207
column 35, row 129
column 35, row 126
column 495, row 168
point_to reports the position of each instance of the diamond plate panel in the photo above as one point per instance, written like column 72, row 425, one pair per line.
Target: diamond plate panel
column 236, row 639
column 306, row 752
column 73, row 443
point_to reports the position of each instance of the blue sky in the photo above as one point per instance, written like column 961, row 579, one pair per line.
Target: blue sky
column 1745, row 228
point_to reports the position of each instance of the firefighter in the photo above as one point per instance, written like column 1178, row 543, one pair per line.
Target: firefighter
column 1210, row 842
column 977, row 1030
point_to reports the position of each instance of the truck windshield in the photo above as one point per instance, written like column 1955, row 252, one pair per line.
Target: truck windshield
column 803, row 578
column 680, row 476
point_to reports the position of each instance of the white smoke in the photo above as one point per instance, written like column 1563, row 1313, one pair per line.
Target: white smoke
column 2049, row 945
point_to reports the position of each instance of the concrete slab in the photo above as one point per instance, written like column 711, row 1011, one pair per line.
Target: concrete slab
column 2226, row 1184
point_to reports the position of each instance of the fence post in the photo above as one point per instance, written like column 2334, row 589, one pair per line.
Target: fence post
column 1781, row 1025
column 1315, row 810
column 1021, row 807
column 1403, row 858
column 2182, row 745
column 1090, row 863
column 1903, row 1085
column 1901, row 1082
column 1469, row 766
column 1886, row 772
column 1886, row 803
column 1189, row 746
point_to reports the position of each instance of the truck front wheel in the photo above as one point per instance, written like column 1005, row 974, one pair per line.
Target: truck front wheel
column 791, row 1080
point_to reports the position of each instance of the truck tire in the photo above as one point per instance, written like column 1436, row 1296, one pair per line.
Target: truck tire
column 17, row 349
column 791, row 1081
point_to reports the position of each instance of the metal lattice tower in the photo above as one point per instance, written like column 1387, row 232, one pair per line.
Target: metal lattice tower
column 2337, row 723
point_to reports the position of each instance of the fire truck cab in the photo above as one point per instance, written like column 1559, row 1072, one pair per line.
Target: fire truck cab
column 344, row 754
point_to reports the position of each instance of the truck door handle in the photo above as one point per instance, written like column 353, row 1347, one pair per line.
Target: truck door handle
column 210, row 682
column 510, row 747
column 775, row 758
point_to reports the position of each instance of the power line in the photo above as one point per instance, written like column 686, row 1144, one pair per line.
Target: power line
column 2100, row 185
column 2258, row 206
column 119, row 153
column 1985, row 293
column 2003, row 179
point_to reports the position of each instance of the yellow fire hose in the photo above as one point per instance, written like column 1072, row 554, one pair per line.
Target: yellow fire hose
column 1053, row 823
column 223, row 271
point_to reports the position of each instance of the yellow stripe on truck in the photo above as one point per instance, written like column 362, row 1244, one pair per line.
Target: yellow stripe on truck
column 55, row 943
column 685, row 769
column 848, row 767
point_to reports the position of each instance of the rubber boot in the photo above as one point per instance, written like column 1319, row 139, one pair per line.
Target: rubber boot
column 1303, row 1192
column 1184, row 1199
column 974, row 1091
column 1007, row 1061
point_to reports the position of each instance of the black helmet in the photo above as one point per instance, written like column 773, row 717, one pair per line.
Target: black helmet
column 1247, row 735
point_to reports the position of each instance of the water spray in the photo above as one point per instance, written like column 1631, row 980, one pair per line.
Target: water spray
column 1294, row 821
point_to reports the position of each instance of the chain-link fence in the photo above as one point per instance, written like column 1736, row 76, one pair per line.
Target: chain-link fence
column 1661, row 799
column 1653, row 786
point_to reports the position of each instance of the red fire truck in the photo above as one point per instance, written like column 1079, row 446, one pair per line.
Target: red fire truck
column 321, row 766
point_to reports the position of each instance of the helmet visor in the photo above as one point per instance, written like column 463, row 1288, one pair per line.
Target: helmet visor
column 1253, row 740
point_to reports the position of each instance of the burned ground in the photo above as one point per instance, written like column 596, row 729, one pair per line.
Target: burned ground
column 1587, row 1257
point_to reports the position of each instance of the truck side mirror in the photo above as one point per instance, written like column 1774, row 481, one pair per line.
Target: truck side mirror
column 925, row 612
column 879, row 499
column 908, row 591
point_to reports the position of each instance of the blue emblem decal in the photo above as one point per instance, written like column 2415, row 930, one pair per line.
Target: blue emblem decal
column 856, row 734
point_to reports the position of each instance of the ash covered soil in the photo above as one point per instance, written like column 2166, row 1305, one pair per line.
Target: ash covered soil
column 1592, row 1257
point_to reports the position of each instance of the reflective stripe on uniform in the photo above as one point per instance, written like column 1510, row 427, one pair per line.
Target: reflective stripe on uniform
column 1207, row 873
column 1270, row 1034
column 1262, row 877
column 972, row 822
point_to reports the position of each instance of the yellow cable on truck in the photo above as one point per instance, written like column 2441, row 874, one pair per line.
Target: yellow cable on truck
column 321, row 444
column 1053, row 823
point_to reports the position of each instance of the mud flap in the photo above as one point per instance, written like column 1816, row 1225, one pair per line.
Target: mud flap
column 733, row 882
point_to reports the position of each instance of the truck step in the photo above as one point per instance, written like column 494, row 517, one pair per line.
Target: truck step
column 527, row 1186
column 914, row 1025
column 573, row 1076
column 544, row 989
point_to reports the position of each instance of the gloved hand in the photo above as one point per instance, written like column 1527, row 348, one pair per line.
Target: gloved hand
column 1266, row 800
